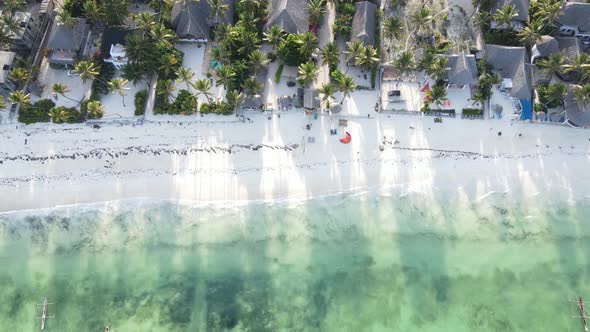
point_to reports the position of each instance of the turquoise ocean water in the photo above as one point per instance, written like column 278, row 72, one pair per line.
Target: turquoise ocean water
column 362, row 262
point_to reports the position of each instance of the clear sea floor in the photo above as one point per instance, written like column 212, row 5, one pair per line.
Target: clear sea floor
column 362, row 262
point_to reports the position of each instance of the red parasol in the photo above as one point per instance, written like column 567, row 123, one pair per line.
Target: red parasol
column 346, row 139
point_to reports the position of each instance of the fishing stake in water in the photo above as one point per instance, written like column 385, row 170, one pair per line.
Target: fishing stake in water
column 580, row 303
column 44, row 312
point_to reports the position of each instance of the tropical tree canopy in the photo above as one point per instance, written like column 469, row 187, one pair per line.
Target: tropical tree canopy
column 505, row 15
column 308, row 73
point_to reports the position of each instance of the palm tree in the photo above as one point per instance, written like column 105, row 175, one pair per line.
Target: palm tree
column 549, row 11
column 251, row 87
column 234, row 98
column 203, row 86
column 160, row 33
column 422, row 19
column 248, row 20
column 58, row 115
column 93, row 11
column 165, row 89
column 116, row 11
column 61, row 89
column 167, row 64
column 346, row 85
column 65, row 17
column 438, row 67
column 274, row 36
column 327, row 90
column 552, row 65
column 133, row 72
column 308, row 73
column 217, row 6
column 505, row 15
column 87, row 70
column 330, row 54
column 483, row 18
column 532, row 32
column 13, row 6
column 20, row 97
column 437, row 94
column 392, row 27
column 317, row 9
column 220, row 54
column 585, row 75
column 94, row 110
column 118, row 85
column 582, row 94
column 555, row 93
column 224, row 75
column 249, row 41
column 405, row 63
column 136, row 47
column 308, row 42
column 353, row 50
column 185, row 75
column 368, row 58
column 257, row 60
column 5, row 39
column 578, row 65
column 21, row 75
column 11, row 24
column 144, row 21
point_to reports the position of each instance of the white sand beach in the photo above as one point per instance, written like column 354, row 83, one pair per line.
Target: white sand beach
column 220, row 159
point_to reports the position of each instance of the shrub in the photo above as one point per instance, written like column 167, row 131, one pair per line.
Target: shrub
column 217, row 107
column 38, row 112
column 185, row 103
column 506, row 37
column 291, row 84
column 105, row 74
column 140, row 101
column 473, row 111
column 72, row 114
column 292, row 55
column 84, row 108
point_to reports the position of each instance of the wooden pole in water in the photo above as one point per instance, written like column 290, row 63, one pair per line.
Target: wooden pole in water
column 44, row 314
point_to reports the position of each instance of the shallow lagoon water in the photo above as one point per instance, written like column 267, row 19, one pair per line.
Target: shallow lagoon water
column 362, row 262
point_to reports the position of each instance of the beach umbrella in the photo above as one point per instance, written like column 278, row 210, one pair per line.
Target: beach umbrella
column 337, row 108
column 498, row 109
column 346, row 139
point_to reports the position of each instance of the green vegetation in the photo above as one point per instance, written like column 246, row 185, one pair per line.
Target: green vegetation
column 38, row 112
column 185, row 103
column 551, row 96
column 473, row 111
column 486, row 80
column 297, row 48
column 140, row 101
column 506, row 37
column 217, row 107
column 344, row 13
column 64, row 114
column 106, row 72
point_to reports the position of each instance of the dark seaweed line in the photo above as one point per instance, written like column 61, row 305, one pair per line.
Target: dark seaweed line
column 99, row 153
